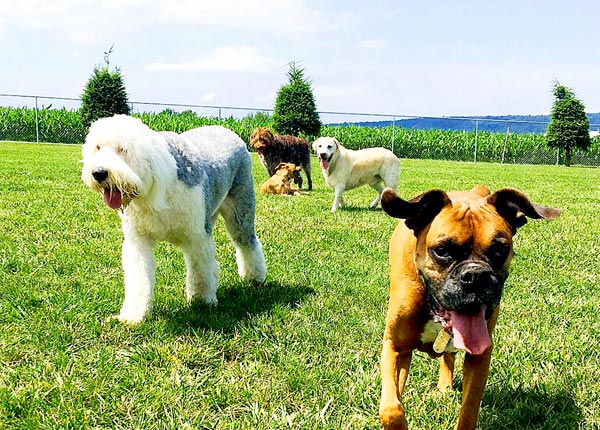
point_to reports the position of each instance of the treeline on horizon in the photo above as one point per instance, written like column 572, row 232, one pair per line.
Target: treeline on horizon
column 496, row 124
column 405, row 139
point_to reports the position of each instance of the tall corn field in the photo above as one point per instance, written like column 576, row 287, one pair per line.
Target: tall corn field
column 65, row 126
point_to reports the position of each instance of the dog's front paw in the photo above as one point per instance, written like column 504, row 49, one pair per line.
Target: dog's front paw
column 203, row 300
column 392, row 417
column 126, row 319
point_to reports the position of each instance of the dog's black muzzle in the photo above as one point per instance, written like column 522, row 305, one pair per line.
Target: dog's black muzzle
column 469, row 285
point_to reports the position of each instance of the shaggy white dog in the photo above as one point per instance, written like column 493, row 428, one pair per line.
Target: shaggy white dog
column 345, row 169
column 171, row 187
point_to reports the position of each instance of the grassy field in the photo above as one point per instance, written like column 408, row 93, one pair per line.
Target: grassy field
column 302, row 351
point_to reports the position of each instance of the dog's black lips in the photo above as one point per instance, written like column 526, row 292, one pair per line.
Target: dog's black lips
column 436, row 311
column 324, row 159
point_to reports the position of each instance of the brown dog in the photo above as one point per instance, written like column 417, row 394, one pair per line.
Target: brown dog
column 448, row 263
column 274, row 149
column 279, row 183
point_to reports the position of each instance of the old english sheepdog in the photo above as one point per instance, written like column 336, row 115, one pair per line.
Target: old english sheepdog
column 171, row 187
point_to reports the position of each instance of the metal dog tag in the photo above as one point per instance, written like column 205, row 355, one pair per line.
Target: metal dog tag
column 441, row 341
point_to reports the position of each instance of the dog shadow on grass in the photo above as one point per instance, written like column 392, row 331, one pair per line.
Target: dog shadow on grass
column 528, row 409
column 237, row 303
column 360, row 209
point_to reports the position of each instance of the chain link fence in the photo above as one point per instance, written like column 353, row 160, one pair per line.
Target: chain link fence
column 57, row 120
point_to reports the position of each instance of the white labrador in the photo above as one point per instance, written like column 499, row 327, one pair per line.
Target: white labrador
column 345, row 169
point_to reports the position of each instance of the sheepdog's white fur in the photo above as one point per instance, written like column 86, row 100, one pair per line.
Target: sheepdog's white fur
column 171, row 187
column 345, row 169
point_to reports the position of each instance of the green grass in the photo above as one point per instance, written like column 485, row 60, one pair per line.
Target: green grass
column 301, row 352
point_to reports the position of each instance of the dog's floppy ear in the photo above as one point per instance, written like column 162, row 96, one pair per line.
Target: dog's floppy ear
column 314, row 145
column 418, row 212
column 337, row 143
column 515, row 207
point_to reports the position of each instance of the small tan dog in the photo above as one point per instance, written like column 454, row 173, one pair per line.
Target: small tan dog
column 279, row 183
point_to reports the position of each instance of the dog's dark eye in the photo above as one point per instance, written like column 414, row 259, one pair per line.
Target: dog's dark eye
column 499, row 251
column 448, row 251
column 441, row 253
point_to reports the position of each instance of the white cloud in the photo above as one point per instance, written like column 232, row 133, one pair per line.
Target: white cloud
column 87, row 21
column 373, row 44
column 224, row 59
column 286, row 18
column 80, row 21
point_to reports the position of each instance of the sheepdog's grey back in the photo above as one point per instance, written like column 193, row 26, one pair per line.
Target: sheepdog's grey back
column 211, row 153
column 216, row 159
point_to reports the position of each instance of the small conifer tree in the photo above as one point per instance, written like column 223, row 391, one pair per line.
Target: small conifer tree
column 295, row 109
column 569, row 125
column 104, row 94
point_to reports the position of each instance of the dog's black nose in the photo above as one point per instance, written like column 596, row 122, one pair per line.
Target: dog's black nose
column 100, row 175
column 477, row 279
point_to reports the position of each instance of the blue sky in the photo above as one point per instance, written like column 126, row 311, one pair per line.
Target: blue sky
column 392, row 57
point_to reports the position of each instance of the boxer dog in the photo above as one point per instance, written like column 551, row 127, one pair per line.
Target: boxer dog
column 449, row 259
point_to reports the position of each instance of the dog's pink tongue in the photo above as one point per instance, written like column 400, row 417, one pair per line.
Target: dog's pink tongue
column 324, row 164
column 470, row 332
column 113, row 198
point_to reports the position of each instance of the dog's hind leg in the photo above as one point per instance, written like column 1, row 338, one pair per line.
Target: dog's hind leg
column 391, row 175
column 306, row 168
column 238, row 214
column 139, row 267
column 377, row 187
column 202, row 278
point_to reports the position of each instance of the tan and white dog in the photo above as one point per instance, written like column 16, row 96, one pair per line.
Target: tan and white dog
column 449, row 258
column 345, row 169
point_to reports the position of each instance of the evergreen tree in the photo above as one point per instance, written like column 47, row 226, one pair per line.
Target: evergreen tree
column 104, row 94
column 569, row 125
column 295, row 109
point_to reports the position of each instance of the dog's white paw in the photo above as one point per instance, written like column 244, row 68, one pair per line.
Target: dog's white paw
column 130, row 316
column 126, row 319
column 208, row 299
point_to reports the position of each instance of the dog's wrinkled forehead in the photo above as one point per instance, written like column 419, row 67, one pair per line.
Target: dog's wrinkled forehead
column 471, row 221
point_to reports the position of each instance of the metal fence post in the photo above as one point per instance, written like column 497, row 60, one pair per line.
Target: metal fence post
column 504, row 146
column 557, row 156
column 393, row 132
column 219, row 115
column 476, row 135
column 37, row 125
